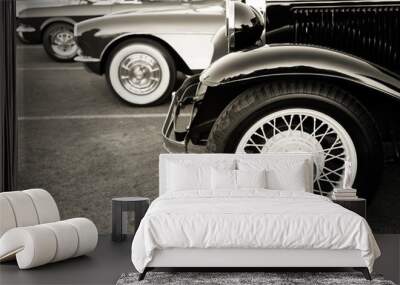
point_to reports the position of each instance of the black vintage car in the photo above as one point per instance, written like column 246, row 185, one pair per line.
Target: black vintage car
column 308, row 76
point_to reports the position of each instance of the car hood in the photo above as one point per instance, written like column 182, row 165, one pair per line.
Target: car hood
column 148, row 8
column 165, row 7
column 123, row 22
column 100, row 10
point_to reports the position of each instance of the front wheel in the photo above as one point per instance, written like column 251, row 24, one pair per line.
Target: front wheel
column 59, row 43
column 305, row 117
column 141, row 72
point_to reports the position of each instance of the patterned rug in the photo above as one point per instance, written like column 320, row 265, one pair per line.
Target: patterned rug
column 253, row 278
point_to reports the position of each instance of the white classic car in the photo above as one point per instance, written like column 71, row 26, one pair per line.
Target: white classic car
column 141, row 52
column 51, row 22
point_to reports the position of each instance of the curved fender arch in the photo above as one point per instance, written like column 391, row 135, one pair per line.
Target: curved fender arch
column 56, row 19
column 278, row 60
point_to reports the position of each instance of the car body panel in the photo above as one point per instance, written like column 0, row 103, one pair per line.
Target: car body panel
column 297, row 60
column 70, row 11
column 188, row 30
column 92, row 9
column 40, row 17
column 72, row 21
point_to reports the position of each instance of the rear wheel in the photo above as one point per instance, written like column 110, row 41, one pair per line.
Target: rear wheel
column 59, row 43
column 141, row 72
column 305, row 117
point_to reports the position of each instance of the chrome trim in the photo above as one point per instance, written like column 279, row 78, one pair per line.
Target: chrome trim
column 201, row 91
column 230, row 24
column 63, row 43
column 140, row 73
column 170, row 144
column 177, row 139
column 25, row 29
column 76, row 30
column 84, row 58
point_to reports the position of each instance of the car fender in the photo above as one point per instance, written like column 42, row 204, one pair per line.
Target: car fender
column 56, row 19
column 201, row 45
column 187, row 31
column 298, row 60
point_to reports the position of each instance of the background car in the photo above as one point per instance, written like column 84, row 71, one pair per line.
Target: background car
column 141, row 52
column 53, row 25
column 327, row 83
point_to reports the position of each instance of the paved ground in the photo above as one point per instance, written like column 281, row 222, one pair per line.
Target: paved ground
column 79, row 141
column 85, row 146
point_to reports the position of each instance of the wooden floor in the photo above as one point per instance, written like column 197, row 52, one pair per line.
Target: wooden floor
column 103, row 266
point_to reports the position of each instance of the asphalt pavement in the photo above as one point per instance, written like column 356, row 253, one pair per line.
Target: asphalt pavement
column 86, row 146
column 80, row 141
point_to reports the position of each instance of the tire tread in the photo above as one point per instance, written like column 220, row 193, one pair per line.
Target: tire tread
column 265, row 92
column 226, row 126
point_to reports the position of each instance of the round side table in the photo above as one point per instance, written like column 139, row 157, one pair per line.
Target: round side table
column 120, row 207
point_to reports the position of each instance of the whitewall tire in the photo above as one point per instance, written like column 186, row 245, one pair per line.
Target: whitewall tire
column 141, row 72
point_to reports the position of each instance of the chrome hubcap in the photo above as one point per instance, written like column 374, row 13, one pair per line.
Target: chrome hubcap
column 140, row 73
column 63, row 43
column 305, row 130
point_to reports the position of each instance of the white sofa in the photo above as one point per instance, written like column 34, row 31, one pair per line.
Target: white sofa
column 31, row 231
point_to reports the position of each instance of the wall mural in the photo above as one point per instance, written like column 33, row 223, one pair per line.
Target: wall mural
column 96, row 78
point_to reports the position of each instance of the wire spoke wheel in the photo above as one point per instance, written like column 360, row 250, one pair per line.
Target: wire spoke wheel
column 305, row 130
column 305, row 116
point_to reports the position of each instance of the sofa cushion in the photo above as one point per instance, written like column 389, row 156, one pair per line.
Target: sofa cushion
column 33, row 244
column 67, row 240
column 23, row 208
column 45, row 206
column 7, row 220
column 27, row 208
column 41, row 244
